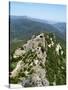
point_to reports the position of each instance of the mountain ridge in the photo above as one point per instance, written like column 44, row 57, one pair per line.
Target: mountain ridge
column 28, row 26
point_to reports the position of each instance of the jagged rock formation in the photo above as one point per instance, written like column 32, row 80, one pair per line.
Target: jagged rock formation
column 39, row 62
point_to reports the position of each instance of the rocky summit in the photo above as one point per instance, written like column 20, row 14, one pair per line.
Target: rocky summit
column 41, row 61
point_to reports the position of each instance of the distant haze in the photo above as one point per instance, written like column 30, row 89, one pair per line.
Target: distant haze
column 41, row 11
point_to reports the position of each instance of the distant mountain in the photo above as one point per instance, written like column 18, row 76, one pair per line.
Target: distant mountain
column 24, row 27
column 61, row 26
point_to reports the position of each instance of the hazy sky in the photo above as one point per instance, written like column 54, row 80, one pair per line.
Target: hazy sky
column 41, row 11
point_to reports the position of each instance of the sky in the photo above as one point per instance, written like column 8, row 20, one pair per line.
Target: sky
column 48, row 12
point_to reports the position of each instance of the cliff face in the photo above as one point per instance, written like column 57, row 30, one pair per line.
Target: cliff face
column 40, row 62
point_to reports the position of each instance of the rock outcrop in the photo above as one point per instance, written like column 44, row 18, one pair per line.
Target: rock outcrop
column 31, row 68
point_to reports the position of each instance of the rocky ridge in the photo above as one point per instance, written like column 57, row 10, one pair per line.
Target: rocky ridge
column 34, row 60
